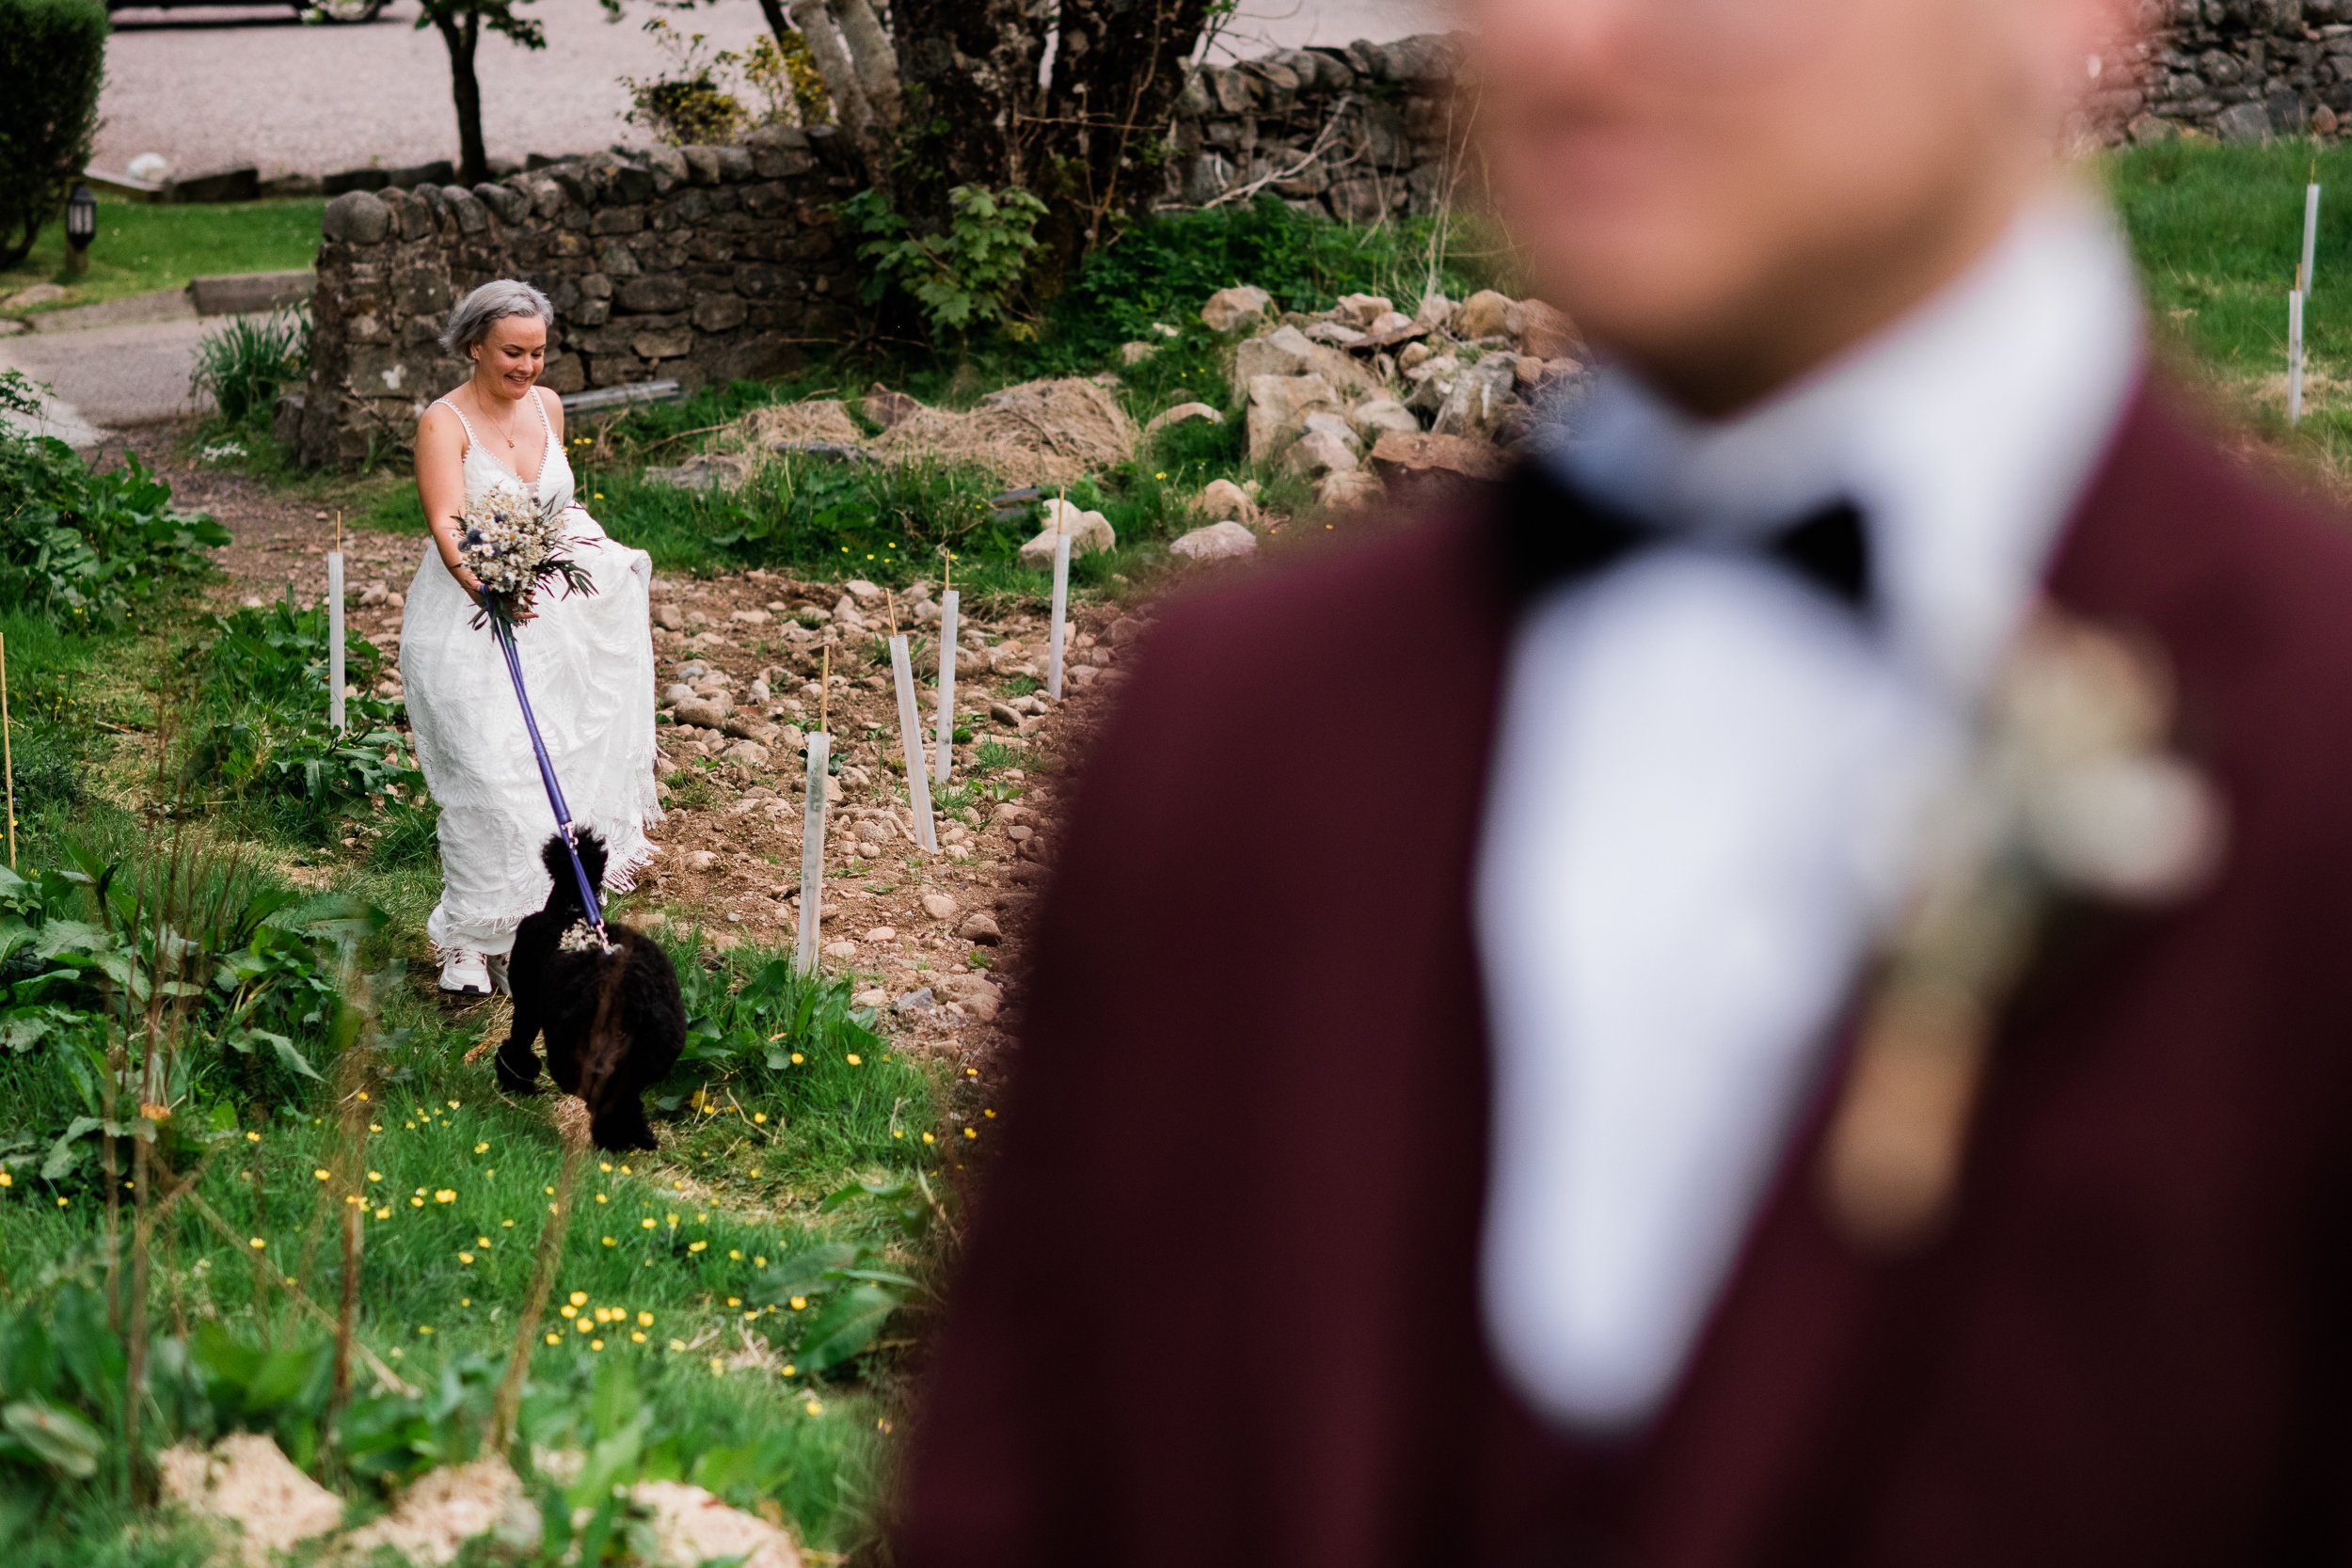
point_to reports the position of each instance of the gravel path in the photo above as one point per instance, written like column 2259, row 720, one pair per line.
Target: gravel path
column 219, row 88
column 116, row 376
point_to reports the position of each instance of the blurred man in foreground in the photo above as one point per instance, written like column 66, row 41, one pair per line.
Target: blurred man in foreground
column 1462, row 956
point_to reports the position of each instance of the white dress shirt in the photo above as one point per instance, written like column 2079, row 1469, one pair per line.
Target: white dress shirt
column 1708, row 772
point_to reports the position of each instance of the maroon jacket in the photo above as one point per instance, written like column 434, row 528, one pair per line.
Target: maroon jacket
column 1220, row 1304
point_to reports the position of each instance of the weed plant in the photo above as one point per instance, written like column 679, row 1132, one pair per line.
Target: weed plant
column 244, row 363
column 260, row 737
column 87, row 547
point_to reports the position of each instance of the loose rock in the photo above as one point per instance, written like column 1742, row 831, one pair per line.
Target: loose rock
column 1230, row 309
column 244, row 1480
column 1088, row 531
column 1382, row 414
column 1410, row 459
column 1485, row 314
column 1278, row 406
column 1183, row 413
column 1224, row 541
column 705, row 712
column 1222, row 501
column 1348, row 491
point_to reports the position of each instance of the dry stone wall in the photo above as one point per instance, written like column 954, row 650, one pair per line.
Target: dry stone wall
column 2242, row 70
column 706, row 263
column 698, row 263
column 1361, row 133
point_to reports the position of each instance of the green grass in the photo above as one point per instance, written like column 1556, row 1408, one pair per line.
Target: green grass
column 141, row 247
column 2217, row 233
column 797, row 1140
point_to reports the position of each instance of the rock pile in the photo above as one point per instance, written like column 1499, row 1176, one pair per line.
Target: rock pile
column 1364, row 395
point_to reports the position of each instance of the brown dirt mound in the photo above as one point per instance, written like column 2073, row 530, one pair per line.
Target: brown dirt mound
column 1044, row 433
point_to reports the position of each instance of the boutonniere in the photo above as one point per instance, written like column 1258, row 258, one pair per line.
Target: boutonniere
column 2070, row 795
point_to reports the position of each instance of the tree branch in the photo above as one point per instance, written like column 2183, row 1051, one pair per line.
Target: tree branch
column 831, row 59
column 872, row 58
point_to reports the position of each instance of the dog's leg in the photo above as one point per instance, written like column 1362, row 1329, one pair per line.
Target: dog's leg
column 620, row 1126
column 517, row 1063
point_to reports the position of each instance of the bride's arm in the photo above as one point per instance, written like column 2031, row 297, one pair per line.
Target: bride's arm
column 441, row 487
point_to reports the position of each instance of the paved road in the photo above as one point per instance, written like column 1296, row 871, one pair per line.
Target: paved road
column 215, row 89
column 113, row 376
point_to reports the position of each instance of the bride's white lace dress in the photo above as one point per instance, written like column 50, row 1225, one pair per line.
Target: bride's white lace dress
column 588, row 663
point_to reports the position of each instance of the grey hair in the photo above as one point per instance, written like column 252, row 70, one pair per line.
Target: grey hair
column 493, row 302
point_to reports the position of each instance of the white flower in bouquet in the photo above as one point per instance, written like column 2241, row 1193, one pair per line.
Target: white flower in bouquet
column 512, row 546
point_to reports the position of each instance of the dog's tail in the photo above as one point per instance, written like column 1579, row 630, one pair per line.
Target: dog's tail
column 558, row 864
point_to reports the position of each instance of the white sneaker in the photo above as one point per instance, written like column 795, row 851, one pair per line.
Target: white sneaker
column 465, row 973
column 499, row 981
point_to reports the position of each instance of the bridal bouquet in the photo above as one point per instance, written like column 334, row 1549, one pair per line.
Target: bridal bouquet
column 515, row 549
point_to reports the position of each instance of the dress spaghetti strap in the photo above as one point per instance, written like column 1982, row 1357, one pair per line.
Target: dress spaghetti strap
column 539, row 398
column 472, row 440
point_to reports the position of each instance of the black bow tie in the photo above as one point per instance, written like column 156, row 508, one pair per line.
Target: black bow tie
column 1555, row 534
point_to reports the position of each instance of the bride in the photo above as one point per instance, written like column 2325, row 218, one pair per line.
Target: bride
column 587, row 660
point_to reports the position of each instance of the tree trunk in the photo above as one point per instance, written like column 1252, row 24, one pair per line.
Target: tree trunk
column 969, row 68
column 1117, row 76
column 872, row 58
column 814, row 22
column 474, row 163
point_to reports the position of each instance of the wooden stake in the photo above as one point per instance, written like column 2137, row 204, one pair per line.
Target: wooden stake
column 7, row 755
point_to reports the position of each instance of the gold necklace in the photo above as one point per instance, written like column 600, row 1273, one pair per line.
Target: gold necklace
column 505, row 428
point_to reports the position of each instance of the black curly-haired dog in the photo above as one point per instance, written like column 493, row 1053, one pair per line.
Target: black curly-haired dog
column 615, row 1022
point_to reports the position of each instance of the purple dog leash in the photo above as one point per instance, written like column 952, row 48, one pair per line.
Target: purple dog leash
column 506, row 635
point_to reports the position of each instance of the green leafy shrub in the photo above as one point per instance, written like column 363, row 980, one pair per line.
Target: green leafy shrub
column 240, row 969
column 245, row 363
column 267, row 739
column 961, row 279
column 686, row 106
column 85, row 546
column 52, row 57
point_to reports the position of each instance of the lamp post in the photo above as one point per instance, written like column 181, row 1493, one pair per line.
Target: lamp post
column 80, row 227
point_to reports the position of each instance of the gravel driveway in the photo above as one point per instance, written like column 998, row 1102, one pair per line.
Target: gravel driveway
column 216, row 89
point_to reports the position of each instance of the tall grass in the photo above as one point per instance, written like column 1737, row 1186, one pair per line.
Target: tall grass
column 243, row 362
